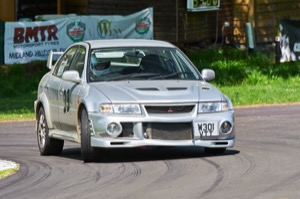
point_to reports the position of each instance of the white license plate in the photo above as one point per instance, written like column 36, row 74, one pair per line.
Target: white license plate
column 207, row 129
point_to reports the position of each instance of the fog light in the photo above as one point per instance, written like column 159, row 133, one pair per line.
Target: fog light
column 114, row 129
column 226, row 127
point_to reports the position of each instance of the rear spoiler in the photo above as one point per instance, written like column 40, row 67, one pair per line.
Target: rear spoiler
column 50, row 58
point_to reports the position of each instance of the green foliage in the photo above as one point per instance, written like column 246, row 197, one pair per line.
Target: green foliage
column 252, row 78
column 20, row 79
column 235, row 67
column 19, row 88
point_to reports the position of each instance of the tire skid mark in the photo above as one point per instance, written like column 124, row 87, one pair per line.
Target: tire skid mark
column 133, row 171
column 95, row 180
column 89, row 179
column 16, row 178
column 279, row 184
column 110, row 175
column 174, row 170
column 128, row 172
column 30, row 176
column 96, row 174
column 169, row 173
column 46, row 169
column 218, row 180
column 125, row 172
column 251, row 165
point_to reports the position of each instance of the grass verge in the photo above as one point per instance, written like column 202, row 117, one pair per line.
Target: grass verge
column 8, row 172
column 8, row 168
column 17, row 108
column 270, row 92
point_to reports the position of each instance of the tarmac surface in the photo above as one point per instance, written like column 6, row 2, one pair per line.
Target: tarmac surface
column 264, row 164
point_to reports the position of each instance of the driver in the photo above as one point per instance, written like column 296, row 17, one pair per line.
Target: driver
column 98, row 67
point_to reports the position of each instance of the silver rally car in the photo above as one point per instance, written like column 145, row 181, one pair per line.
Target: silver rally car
column 129, row 93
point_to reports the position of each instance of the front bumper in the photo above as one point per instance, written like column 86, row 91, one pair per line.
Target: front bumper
column 129, row 143
column 138, row 135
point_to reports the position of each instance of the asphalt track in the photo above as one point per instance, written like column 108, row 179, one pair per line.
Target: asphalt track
column 264, row 163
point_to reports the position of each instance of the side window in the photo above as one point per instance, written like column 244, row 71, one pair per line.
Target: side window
column 64, row 62
column 78, row 61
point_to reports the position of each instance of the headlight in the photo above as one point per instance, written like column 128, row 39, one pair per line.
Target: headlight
column 121, row 108
column 209, row 107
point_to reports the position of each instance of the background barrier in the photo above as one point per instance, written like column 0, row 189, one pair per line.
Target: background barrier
column 1, row 42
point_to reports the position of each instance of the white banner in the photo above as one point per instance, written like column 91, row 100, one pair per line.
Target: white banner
column 289, row 40
column 28, row 41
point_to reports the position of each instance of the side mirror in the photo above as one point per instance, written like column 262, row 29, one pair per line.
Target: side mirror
column 50, row 58
column 208, row 74
column 71, row 76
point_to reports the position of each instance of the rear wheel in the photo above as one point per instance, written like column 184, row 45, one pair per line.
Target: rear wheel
column 88, row 153
column 47, row 145
column 214, row 151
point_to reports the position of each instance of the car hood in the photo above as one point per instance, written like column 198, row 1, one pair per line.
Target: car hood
column 158, row 91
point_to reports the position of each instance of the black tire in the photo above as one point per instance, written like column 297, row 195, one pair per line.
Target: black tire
column 214, row 151
column 88, row 153
column 47, row 145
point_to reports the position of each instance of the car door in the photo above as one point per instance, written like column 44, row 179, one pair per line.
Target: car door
column 51, row 92
column 55, row 82
column 69, row 94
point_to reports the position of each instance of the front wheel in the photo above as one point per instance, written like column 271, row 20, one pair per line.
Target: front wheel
column 88, row 153
column 47, row 145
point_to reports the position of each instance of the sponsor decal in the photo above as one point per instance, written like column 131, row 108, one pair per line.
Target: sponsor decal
column 30, row 41
column 105, row 29
column 32, row 53
column 143, row 25
column 297, row 47
column 215, row 2
column 205, row 3
column 35, row 34
column 76, row 31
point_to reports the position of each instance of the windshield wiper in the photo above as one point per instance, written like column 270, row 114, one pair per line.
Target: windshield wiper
column 131, row 76
column 170, row 75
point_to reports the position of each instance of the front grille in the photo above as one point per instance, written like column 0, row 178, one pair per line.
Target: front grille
column 169, row 109
column 168, row 131
column 127, row 130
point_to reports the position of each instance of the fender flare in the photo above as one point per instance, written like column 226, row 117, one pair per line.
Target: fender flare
column 43, row 101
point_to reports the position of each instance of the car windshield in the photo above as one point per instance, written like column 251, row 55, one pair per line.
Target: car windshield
column 141, row 63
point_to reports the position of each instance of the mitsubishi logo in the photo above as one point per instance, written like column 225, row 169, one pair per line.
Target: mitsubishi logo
column 170, row 110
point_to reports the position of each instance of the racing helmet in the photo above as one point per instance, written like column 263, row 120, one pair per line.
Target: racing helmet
column 98, row 66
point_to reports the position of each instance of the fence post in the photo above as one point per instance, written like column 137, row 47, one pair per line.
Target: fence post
column 250, row 37
column 277, row 50
column 1, row 42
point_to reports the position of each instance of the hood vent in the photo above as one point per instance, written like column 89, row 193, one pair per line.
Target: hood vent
column 147, row 89
column 156, row 89
column 176, row 88
column 205, row 88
